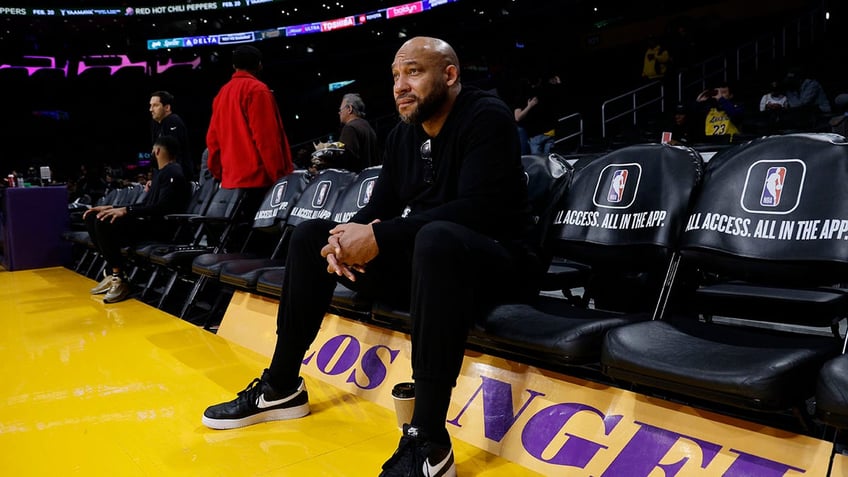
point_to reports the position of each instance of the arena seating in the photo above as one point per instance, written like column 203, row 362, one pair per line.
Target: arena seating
column 720, row 289
column 622, row 216
column 316, row 200
column 212, row 232
column 269, row 220
column 184, row 231
column 78, row 235
column 349, row 194
column 764, row 247
column 832, row 392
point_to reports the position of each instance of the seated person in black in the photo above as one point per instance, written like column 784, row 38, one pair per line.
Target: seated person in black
column 445, row 232
column 112, row 228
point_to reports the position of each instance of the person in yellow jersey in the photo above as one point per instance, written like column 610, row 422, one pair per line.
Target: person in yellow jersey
column 723, row 113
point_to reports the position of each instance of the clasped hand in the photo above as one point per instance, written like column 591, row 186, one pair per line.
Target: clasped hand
column 106, row 212
column 349, row 248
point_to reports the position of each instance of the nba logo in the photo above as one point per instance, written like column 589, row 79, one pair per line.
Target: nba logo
column 365, row 191
column 773, row 187
column 320, row 196
column 279, row 191
column 616, row 190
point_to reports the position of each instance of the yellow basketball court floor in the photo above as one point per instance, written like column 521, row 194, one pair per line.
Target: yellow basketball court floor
column 90, row 389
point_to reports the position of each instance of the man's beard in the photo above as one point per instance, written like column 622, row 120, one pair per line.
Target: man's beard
column 427, row 105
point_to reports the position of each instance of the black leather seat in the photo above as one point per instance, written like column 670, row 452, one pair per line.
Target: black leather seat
column 185, row 232
column 269, row 220
column 621, row 216
column 214, row 229
column 548, row 177
column 270, row 282
column 318, row 199
column 832, row 392
column 324, row 193
column 764, row 238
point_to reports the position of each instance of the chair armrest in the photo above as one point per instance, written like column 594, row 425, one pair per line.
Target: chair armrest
column 181, row 217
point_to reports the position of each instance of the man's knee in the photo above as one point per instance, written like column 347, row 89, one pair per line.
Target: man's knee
column 91, row 219
column 439, row 239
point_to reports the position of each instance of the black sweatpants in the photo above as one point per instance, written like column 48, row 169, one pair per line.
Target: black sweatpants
column 110, row 237
column 449, row 276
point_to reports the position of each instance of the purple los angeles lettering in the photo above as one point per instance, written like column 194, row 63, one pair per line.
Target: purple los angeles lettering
column 373, row 367
column 348, row 349
column 640, row 456
column 498, row 415
column 643, row 453
column 546, row 424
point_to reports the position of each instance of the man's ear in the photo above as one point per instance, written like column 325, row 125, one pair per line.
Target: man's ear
column 451, row 75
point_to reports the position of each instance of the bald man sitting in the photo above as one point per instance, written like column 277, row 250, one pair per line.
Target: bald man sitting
column 445, row 233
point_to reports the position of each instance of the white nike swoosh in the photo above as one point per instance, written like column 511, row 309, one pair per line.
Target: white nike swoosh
column 173, row 128
column 261, row 403
column 429, row 470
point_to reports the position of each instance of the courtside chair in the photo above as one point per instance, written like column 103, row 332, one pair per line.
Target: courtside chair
column 767, row 240
column 622, row 216
column 268, row 221
column 318, row 200
column 215, row 228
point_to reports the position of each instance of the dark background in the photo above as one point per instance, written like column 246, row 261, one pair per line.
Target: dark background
column 595, row 46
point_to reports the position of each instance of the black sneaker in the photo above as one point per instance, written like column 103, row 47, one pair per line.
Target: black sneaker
column 257, row 403
column 418, row 457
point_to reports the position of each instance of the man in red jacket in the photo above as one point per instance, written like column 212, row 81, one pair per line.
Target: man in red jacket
column 248, row 147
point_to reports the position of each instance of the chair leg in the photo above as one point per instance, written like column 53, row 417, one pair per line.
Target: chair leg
column 198, row 286
column 100, row 270
column 171, row 280
column 94, row 260
column 133, row 273
column 82, row 259
column 150, row 281
column 207, row 323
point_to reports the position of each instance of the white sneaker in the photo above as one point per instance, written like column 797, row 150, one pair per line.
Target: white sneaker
column 104, row 284
column 118, row 290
